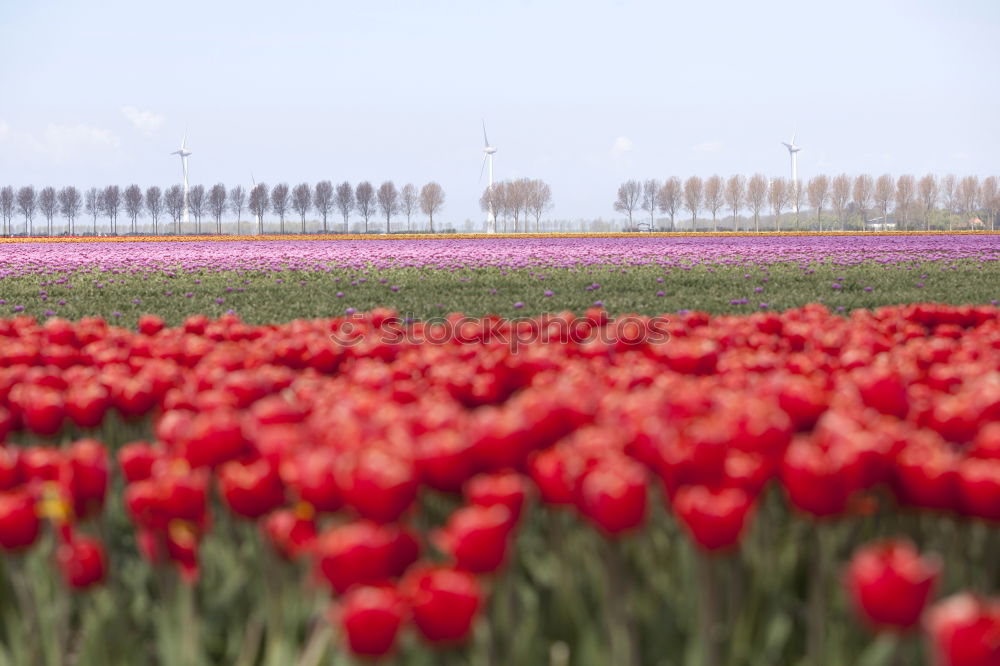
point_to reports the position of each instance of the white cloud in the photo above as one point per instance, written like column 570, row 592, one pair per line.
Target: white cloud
column 708, row 147
column 146, row 122
column 622, row 145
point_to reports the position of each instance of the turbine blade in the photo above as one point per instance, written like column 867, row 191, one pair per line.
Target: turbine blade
column 486, row 142
column 483, row 168
column 793, row 136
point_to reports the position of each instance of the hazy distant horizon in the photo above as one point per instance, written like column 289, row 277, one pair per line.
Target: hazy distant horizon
column 582, row 95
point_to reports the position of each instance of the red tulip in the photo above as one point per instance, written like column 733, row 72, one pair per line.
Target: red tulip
column 715, row 518
column 370, row 617
column 816, row 481
column 19, row 522
column 251, row 489
column 613, row 495
column 291, row 532
column 477, row 537
column 890, row 583
column 81, row 561
column 87, row 404
column 10, row 471
column 89, row 464
column 551, row 471
column 43, row 409
column 380, row 485
column 965, row 631
column 213, row 438
column 359, row 553
column 979, row 487
column 444, row 602
column 136, row 460
column 505, row 488
column 311, row 474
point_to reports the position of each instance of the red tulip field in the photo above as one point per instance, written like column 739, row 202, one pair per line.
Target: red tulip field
column 780, row 486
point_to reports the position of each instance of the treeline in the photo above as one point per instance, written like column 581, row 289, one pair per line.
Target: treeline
column 517, row 201
column 904, row 203
column 165, row 208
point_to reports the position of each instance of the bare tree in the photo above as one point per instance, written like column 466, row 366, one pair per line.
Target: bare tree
column 132, row 200
column 92, row 204
column 693, row 189
column 864, row 190
column 670, row 198
column 990, row 200
column 259, row 204
column 27, row 201
column 217, row 204
column 840, row 195
column 540, row 200
column 906, row 187
column 237, row 200
column 196, row 205
column 651, row 200
column 47, row 205
column 154, row 204
column 173, row 201
column 364, row 201
column 323, row 200
column 431, row 201
column 70, row 202
column 819, row 193
column 6, row 207
column 735, row 193
column 345, row 201
column 302, row 202
column 388, row 202
column 949, row 197
column 927, row 197
column 885, row 194
column 408, row 202
column 492, row 200
column 778, row 195
column 968, row 199
column 714, row 198
column 279, row 202
column 112, row 203
column 756, row 197
column 629, row 194
column 795, row 194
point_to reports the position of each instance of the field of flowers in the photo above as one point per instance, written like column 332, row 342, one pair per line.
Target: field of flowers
column 746, row 470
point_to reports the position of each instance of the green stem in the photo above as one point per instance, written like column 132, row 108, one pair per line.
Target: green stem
column 708, row 631
column 816, row 627
column 618, row 616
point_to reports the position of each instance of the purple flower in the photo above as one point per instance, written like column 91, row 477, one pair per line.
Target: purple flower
column 189, row 295
column 349, row 311
column 548, row 293
column 340, row 294
column 18, row 308
column 598, row 304
column 394, row 288
column 116, row 314
column 920, row 285
column 868, row 288
column 62, row 302
column 757, row 290
column 519, row 305
column 836, row 285
column 763, row 306
column 49, row 313
column 660, row 280
column 135, row 301
column 659, row 293
column 219, row 301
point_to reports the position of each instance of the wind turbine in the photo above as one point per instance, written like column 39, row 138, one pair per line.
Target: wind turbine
column 488, row 150
column 184, row 153
column 792, row 150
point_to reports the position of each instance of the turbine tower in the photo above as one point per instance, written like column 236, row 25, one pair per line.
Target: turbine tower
column 184, row 152
column 792, row 150
column 488, row 150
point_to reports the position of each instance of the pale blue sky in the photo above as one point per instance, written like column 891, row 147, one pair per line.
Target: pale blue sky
column 581, row 94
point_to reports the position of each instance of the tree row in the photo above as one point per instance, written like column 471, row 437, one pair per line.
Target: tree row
column 904, row 202
column 213, row 203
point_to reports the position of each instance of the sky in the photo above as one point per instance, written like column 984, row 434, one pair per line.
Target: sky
column 581, row 94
